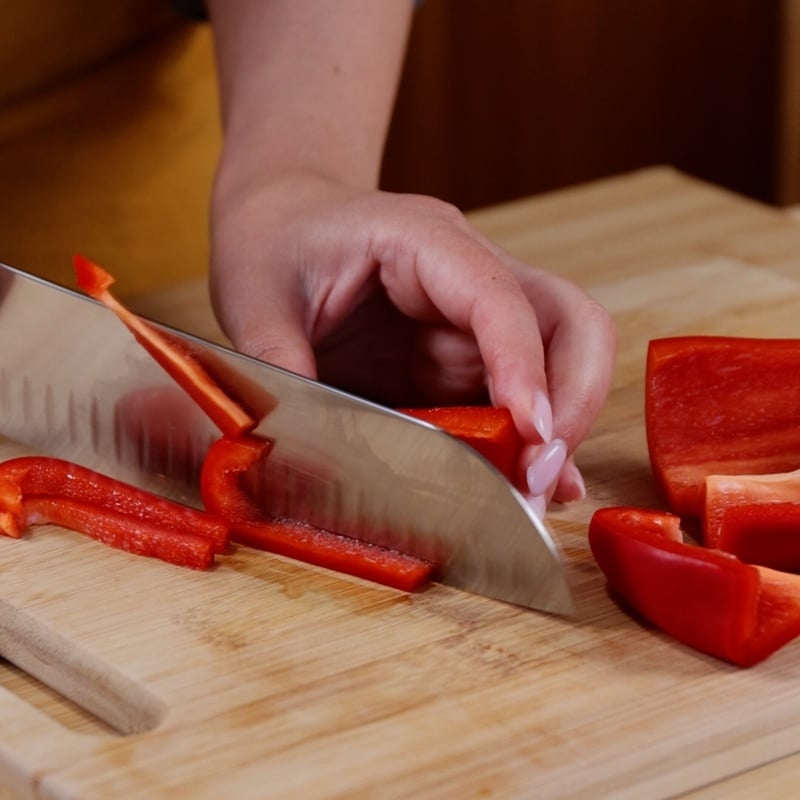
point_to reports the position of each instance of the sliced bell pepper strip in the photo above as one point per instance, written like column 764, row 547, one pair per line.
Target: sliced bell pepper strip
column 705, row 598
column 43, row 475
column 755, row 517
column 223, row 494
column 39, row 489
column 487, row 429
column 229, row 416
column 720, row 406
column 311, row 545
column 121, row 531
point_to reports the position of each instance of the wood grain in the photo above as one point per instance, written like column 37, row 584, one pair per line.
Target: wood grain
column 266, row 678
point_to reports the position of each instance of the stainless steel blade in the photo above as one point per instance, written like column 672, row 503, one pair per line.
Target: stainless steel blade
column 75, row 384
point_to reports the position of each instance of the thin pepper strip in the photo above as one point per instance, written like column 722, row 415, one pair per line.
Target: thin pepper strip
column 707, row 599
column 43, row 475
column 223, row 493
column 488, row 429
column 181, row 364
column 36, row 490
column 120, row 531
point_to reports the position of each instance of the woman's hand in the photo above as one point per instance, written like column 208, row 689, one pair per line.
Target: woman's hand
column 397, row 298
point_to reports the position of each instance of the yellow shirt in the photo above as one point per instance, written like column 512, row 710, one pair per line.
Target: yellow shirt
column 108, row 138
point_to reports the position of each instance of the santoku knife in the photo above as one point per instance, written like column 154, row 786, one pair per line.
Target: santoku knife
column 75, row 384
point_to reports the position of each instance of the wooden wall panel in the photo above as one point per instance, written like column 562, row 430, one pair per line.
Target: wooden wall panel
column 787, row 167
column 504, row 98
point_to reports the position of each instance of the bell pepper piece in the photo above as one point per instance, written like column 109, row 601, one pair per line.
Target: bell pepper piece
column 179, row 362
column 224, row 494
column 755, row 517
column 720, row 406
column 121, row 531
column 707, row 599
column 9, row 525
column 487, row 429
column 39, row 489
column 10, row 507
column 221, row 480
column 43, row 475
column 311, row 545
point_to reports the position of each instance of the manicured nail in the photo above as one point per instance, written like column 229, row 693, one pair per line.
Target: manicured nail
column 572, row 486
column 538, row 504
column 542, row 416
column 548, row 464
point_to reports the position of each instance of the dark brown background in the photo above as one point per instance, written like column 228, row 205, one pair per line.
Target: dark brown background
column 505, row 98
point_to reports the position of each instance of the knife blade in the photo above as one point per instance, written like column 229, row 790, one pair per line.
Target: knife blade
column 75, row 384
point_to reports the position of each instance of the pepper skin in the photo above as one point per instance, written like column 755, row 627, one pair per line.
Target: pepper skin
column 720, row 406
column 707, row 599
column 178, row 361
column 487, row 429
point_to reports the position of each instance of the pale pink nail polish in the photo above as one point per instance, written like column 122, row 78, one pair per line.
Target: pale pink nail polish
column 542, row 416
column 538, row 504
column 547, row 466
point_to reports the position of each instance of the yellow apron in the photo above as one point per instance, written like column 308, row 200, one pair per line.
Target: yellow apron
column 108, row 138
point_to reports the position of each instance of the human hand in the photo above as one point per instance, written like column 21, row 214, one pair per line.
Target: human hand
column 397, row 298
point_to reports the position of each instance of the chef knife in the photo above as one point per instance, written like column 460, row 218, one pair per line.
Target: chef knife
column 75, row 384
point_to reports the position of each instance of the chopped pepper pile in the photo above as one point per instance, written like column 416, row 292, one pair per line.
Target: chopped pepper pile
column 724, row 442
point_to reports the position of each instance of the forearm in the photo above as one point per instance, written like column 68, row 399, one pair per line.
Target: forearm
column 309, row 85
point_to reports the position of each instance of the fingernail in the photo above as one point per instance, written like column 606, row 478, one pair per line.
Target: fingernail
column 572, row 486
column 548, row 464
column 542, row 416
column 538, row 504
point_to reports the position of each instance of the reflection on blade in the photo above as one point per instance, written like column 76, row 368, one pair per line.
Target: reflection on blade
column 76, row 385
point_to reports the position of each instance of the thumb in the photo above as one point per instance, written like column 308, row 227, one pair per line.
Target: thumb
column 268, row 330
column 281, row 343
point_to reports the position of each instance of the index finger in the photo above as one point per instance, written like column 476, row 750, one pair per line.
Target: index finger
column 445, row 269
column 580, row 350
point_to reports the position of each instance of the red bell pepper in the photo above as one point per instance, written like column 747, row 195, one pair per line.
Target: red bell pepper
column 36, row 490
column 487, row 429
column 181, row 364
column 720, row 406
column 705, row 598
column 223, row 493
column 755, row 517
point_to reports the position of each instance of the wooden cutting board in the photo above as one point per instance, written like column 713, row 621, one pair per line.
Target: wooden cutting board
column 266, row 678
